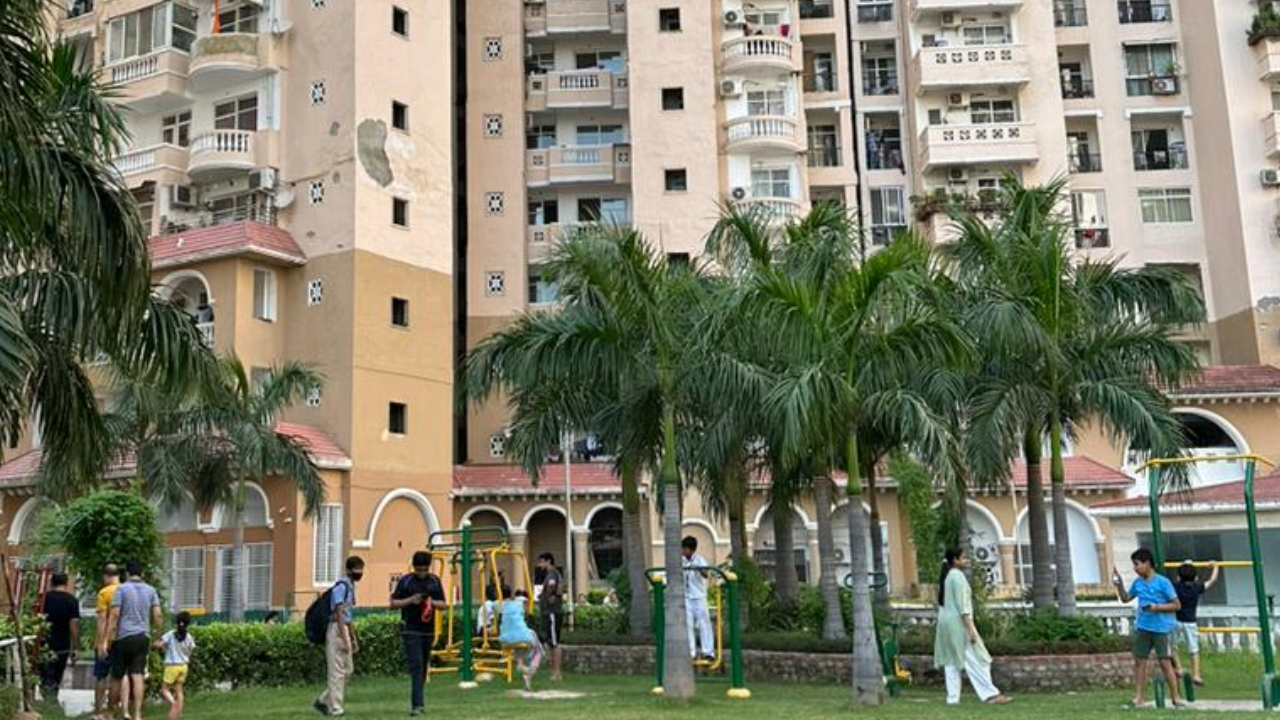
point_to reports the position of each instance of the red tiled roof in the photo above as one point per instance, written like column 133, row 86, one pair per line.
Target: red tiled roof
column 1233, row 380
column 240, row 238
column 21, row 470
column 1080, row 471
column 1265, row 490
column 584, row 478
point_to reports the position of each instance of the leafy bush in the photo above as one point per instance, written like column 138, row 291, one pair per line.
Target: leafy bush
column 1266, row 24
column 10, row 702
column 596, row 596
column 1048, row 626
column 107, row 526
column 600, row 619
column 621, row 586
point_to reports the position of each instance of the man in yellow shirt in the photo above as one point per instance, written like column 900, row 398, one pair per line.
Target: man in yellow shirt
column 106, row 692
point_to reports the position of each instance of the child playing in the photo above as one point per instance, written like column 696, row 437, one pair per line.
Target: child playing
column 177, row 645
column 1189, row 590
column 515, row 632
column 1154, row 623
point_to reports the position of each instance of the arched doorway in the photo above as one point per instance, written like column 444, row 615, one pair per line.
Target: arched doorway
column 399, row 529
column 606, row 542
column 508, row 572
column 765, row 551
column 840, row 533
column 984, row 538
column 1210, row 435
column 546, row 530
column 190, row 291
column 1083, row 536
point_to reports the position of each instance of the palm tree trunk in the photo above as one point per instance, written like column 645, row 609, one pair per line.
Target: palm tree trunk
column 1042, row 579
column 960, row 504
column 677, row 675
column 635, row 552
column 881, row 593
column 736, row 496
column 833, row 617
column 238, row 578
column 1061, row 532
column 868, row 678
column 786, row 585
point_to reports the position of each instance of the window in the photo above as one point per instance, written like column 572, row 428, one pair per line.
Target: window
column 543, row 288
column 986, row 35
column 819, row 72
column 615, row 211
column 544, row 212
column 397, row 418
column 315, row 192
column 314, row 395
column 824, row 146
column 317, row 92
column 883, row 140
column 238, row 114
column 677, row 260
column 1070, row 13
column 539, row 63
column 992, row 111
column 255, row 206
column 1165, row 205
column 610, row 60
column 315, row 291
column 400, row 21
column 497, row 446
column 1080, row 155
column 176, row 129
column 400, row 312
column 769, row 22
column 242, row 18
column 326, row 555
column 495, row 283
column 256, row 592
column 600, row 134
column 1150, row 69
column 676, row 180
column 264, row 295
column 166, row 25
column 494, row 203
column 1144, row 11
column 399, row 116
column 1182, row 545
column 888, row 214
column 185, row 567
column 1162, row 148
column 540, row 137
column 870, row 11
column 767, row 102
column 399, row 212
column 879, row 69
column 673, row 98
column 492, row 49
column 669, row 19
column 771, row 182
column 492, row 125
column 258, row 377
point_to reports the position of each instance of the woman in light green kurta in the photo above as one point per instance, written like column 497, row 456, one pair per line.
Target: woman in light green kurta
column 957, row 645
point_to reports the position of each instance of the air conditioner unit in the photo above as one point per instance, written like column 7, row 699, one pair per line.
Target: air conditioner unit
column 957, row 99
column 1270, row 177
column 264, row 179
column 950, row 20
column 738, row 193
column 730, row 88
column 732, row 18
column 929, row 40
column 181, row 196
column 1164, row 86
column 957, row 175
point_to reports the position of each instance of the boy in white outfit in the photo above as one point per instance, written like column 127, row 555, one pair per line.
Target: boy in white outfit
column 695, row 599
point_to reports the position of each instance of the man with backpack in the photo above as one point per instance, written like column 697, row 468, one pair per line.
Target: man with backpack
column 333, row 609
column 417, row 596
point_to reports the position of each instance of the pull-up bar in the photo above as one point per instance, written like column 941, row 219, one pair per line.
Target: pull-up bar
column 1205, row 564
column 1191, row 460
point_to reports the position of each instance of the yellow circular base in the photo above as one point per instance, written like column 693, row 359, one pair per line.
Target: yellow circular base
column 738, row 694
column 658, row 691
column 467, row 685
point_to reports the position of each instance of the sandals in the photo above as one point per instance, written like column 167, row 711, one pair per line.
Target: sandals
column 1000, row 700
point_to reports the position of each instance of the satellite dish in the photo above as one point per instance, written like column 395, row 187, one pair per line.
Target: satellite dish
column 283, row 198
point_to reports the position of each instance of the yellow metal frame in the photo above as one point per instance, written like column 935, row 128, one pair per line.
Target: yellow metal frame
column 1158, row 462
column 1205, row 564
column 717, row 607
column 1229, row 630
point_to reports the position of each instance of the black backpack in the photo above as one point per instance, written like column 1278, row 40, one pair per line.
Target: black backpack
column 319, row 615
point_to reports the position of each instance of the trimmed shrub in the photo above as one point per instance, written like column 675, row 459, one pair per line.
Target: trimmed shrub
column 10, row 702
column 600, row 619
column 1047, row 626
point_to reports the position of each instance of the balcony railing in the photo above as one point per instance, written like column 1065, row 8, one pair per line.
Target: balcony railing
column 816, row 9
column 1172, row 159
column 821, row 83
column 142, row 160
column 879, row 83
column 1084, row 162
column 884, row 157
column 758, row 50
column 767, row 130
column 779, row 208
column 988, row 143
column 1145, row 11
column 76, row 8
column 219, row 151
column 576, row 89
column 881, row 235
column 575, row 16
column 1093, row 238
column 259, row 209
column 1154, row 85
column 825, row 155
column 583, row 163
column 875, row 13
column 1077, row 87
column 1070, row 15
column 138, row 68
column 971, row 65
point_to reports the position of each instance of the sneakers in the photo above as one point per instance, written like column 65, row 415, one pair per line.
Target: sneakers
column 321, row 708
column 416, row 712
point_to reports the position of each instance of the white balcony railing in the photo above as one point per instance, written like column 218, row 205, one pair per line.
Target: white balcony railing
column 134, row 69
column 780, row 208
column 744, row 51
column 135, row 161
column 766, row 128
column 223, row 141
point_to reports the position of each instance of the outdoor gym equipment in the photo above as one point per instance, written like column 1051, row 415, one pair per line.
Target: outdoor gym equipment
column 492, row 655
column 469, row 545
column 895, row 676
column 1270, row 681
column 724, row 590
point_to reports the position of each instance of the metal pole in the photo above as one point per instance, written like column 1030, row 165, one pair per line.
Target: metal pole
column 1270, row 683
column 1153, row 502
column 658, row 584
column 466, row 671
column 737, row 673
column 1017, row 541
column 568, row 523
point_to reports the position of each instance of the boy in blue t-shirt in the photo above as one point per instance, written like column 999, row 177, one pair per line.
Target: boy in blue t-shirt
column 1154, row 623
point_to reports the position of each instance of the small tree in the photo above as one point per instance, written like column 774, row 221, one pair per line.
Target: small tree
column 107, row 526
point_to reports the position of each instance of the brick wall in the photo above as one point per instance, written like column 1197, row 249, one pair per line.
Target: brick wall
column 1033, row 672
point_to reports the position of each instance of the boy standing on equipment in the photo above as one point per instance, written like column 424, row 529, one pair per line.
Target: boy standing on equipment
column 551, row 608
column 1189, row 590
column 1154, row 624
column 695, row 599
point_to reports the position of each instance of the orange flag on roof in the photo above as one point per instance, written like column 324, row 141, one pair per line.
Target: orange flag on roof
column 217, row 22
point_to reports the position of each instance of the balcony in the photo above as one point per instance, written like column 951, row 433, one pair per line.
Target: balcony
column 1070, row 15
column 159, row 164
column 220, row 154
column 228, row 58
column 816, row 9
column 152, row 82
column 581, row 164
column 780, row 209
column 936, row 6
column 986, row 143
column 574, row 17
column 875, row 12
column 1093, row 238
column 576, row 89
column 1268, row 51
column 1271, row 130
column 1170, row 159
column 1077, row 88
column 1084, row 162
column 969, row 66
column 761, row 132
column 746, row 54
column 1144, row 11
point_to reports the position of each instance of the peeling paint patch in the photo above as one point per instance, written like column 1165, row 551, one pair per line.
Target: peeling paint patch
column 1268, row 303
column 371, row 145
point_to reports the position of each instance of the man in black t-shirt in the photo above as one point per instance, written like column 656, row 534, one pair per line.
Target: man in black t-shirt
column 417, row 596
column 62, row 612
column 551, row 609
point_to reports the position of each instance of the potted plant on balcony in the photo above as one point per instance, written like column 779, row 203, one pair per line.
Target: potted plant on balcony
column 1266, row 24
column 929, row 204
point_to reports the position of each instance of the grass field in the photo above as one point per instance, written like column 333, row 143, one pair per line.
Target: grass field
column 1229, row 677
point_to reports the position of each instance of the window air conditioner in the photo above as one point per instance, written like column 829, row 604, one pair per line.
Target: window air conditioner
column 738, row 193
column 958, row 100
column 1270, row 177
column 1164, row 86
column 732, row 18
column 181, row 196
column 950, row 20
column 730, row 88
column 957, row 175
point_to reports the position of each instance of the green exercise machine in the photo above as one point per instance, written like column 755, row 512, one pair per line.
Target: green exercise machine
column 724, row 591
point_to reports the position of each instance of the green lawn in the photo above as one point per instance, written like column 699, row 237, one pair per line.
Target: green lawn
column 1230, row 677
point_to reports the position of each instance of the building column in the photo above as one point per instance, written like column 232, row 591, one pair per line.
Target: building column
column 519, row 542
column 581, row 564
column 1008, row 563
column 814, row 564
column 1105, row 562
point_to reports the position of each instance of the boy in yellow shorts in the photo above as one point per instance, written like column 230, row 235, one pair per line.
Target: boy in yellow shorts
column 177, row 645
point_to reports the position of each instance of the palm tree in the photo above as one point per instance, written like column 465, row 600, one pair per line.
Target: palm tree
column 74, row 272
column 1096, row 342
column 626, row 326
